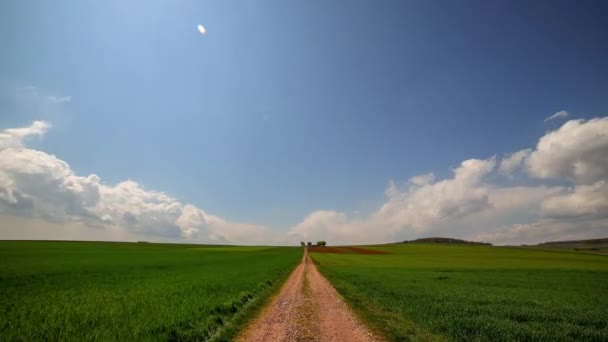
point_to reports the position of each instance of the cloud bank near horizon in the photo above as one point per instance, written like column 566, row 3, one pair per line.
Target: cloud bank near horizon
column 556, row 190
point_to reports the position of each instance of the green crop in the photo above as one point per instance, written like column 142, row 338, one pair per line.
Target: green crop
column 435, row 292
column 58, row 291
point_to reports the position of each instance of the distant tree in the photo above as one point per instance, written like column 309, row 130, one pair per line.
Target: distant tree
column 302, row 243
column 321, row 243
column 309, row 244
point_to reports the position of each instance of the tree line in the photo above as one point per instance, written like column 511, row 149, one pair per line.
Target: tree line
column 309, row 244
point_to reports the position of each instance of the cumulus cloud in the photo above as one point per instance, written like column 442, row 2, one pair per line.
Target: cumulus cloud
column 559, row 115
column 459, row 206
column 582, row 202
column 332, row 226
column 564, row 196
column 576, row 151
column 40, row 186
column 425, row 203
column 545, row 230
column 470, row 205
column 422, row 180
column 513, row 161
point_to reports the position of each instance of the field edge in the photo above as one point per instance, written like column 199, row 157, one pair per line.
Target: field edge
column 372, row 315
column 250, row 311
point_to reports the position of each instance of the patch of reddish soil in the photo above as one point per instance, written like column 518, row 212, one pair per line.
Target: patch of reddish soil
column 359, row 250
column 326, row 250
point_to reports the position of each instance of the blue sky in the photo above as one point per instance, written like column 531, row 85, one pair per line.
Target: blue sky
column 287, row 107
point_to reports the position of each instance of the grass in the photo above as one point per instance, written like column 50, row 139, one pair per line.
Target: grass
column 122, row 291
column 437, row 292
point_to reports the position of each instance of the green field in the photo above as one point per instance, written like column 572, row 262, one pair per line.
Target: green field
column 62, row 291
column 435, row 292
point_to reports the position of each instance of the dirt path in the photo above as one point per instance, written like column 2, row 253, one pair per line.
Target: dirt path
column 307, row 308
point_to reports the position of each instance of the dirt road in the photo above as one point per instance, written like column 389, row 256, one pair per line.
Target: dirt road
column 307, row 308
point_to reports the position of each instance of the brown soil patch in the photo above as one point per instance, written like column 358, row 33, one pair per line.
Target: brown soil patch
column 359, row 250
column 307, row 308
column 326, row 250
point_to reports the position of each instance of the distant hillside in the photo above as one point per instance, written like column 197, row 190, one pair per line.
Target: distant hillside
column 576, row 242
column 596, row 246
column 446, row 240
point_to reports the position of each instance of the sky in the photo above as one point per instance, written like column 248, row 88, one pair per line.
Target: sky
column 350, row 122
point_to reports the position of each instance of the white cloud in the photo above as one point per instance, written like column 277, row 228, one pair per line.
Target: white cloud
column 545, row 230
column 582, row 202
column 59, row 99
column 40, row 186
column 422, row 180
column 337, row 228
column 425, row 203
column 576, row 151
column 14, row 137
column 513, row 161
column 559, row 115
column 392, row 189
column 458, row 206
column 468, row 204
column 18, row 228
